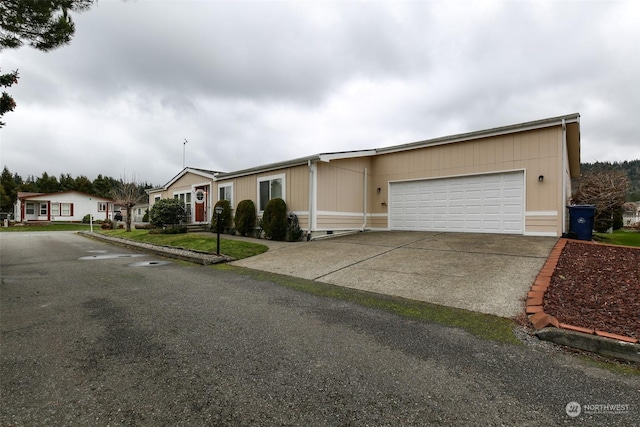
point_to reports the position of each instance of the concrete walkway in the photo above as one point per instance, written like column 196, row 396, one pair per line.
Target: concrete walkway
column 485, row 273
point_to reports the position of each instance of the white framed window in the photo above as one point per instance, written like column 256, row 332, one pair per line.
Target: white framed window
column 30, row 209
column 66, row 209
column 102, row 206
column 225, row 192
column 43, row 209
column 270, row 187
column 155, row 199
column 184, row 197
column 55, row 209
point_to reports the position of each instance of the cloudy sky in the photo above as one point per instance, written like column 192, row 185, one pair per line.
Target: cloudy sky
column 250, row 83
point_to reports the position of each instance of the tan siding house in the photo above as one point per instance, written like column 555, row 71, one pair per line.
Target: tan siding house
column 513, row 179
column 195, row 188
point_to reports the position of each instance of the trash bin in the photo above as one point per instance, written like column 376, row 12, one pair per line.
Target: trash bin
column 581, row 221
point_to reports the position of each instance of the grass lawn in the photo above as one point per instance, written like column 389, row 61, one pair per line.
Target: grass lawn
column 619, row 237
column 234, row 248
column 50, row 227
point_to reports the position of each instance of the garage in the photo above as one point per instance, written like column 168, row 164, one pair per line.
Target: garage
column 487, row 203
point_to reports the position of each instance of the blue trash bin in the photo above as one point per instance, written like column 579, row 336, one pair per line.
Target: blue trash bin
column 581, row 219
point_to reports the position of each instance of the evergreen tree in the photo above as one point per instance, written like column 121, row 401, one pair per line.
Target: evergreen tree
column 44, row 25
column 67, row 182
column 83, row 184
column 47, row 184
column 8, row 191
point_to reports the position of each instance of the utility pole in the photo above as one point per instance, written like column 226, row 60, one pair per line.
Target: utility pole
column 184, row 149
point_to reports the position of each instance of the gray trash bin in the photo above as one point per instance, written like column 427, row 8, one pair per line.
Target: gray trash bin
column 581, row 219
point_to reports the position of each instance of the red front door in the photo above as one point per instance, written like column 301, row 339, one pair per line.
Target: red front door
column 201, row 204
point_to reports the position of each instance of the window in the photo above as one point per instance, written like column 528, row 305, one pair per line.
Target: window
column 55, row 209
column 102, row 206
column 270, row 187
column 225, row 192
column 66, row 209
column 156, row 198
column 31, row 209
column 43, row 209
column 186, row 199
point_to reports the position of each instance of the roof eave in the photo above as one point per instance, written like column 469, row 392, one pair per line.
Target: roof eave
column 520, row 127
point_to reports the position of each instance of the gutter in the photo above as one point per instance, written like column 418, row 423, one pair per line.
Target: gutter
column 565, row 165
column 311, row 216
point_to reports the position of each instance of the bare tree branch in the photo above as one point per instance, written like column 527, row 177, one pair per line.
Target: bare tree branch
column 128, row 194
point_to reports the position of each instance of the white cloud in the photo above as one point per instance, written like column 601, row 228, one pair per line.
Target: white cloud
column 249, row 83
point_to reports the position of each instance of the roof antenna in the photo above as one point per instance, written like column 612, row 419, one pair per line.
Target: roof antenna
column 184, row 149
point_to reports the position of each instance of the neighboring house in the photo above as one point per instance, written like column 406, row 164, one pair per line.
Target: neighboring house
column 192, row 186
column 631, row 216
column 512, row 180
column 138, row 212
column 66, row 206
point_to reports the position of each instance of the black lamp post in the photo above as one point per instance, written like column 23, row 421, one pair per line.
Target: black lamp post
column 218, row 212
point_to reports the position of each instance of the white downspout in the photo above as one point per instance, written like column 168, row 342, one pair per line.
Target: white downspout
column 564, row 177
column 364, row 207
column 311, row 205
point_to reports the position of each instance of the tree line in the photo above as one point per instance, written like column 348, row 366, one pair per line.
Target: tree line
column 101, row 186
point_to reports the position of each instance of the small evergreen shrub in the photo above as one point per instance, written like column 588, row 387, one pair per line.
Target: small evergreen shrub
column 144, row 227
column 168, row 230
column 245, row 217
column 225, row 216
column 86, row 219
column 274, row 220
column 145, row 218
column 167, row 212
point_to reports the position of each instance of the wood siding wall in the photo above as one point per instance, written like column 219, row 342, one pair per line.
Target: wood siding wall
column 537, row 152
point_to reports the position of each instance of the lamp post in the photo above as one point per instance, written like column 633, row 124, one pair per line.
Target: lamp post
column 218, row 212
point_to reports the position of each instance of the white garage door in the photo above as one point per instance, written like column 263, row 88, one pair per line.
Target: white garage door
column 477, row 204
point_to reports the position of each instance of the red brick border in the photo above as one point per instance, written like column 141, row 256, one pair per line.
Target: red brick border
column 535, row 299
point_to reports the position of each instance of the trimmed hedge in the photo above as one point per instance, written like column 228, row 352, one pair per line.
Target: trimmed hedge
column 167, row 212
column 274, row 220
column 225, row 216
column 245, row 217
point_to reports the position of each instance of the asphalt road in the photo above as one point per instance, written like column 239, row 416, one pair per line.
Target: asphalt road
column 105, row 341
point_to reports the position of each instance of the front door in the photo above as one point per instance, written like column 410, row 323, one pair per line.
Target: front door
column 30, row 211
column 201, row 204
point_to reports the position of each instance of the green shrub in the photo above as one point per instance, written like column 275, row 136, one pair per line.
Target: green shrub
column 274, row 220
column 168, row 230
column 145, row 218
column 144, row 227
column 167, row 212
column 245, row 217
column 86, row 219
column 225, row 216
column 618, row 221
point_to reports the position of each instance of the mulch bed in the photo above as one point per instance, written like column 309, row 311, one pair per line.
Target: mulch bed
column 598, row 287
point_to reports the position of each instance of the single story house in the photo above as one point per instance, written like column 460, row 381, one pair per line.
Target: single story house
column 65, row 206
column 195, row 188
column 514, row 180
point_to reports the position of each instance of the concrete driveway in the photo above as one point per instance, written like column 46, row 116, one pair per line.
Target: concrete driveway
column 485, row 273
